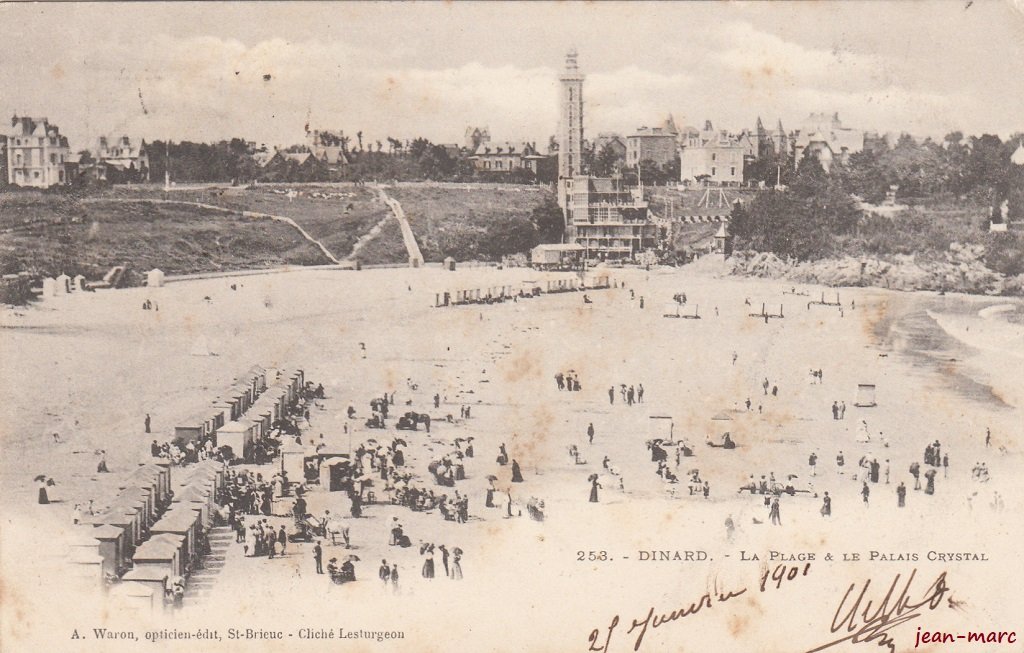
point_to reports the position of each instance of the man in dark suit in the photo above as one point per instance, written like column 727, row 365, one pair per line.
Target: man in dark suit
column 318, row 556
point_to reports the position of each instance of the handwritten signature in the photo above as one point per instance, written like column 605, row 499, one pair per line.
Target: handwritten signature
column 769, row 578
column 878, row 619
column 858, row 619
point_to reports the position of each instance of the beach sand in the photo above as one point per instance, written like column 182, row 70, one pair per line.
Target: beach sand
column 90, row 367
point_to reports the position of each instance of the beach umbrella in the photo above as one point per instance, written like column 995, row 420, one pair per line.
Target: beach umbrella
column 40, row 477
column 492, row 477
column 592, row 478
column 470, row 439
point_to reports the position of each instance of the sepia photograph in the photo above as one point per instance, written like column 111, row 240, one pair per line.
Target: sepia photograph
column 476, row 327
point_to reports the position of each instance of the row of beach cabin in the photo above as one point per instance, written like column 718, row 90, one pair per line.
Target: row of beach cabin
column 154, row 530
column 546, row 284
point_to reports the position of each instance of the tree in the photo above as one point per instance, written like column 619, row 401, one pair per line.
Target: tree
column 607, row 162
column 549, row 220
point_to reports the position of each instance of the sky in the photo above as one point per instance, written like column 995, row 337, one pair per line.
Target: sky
column 206, row 72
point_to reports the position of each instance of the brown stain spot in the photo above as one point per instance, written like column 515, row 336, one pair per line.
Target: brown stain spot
column 754, row 604
column 520, row 367
column 57, row 72
column 738, row 624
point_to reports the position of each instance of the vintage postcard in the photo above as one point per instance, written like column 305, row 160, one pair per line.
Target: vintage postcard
column 508, row 327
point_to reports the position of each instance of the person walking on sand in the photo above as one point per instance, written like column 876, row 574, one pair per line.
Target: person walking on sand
column 901, row 495
column 988, row 437
column 456, row 564
column 826, row 506
column 842, row 410
column 640, row 393
column 444, row 557
column 394, row 578
column 590, row 433
column 865, row 492
column 813, row 462
column 517, row 476
column 773, row 512
column 630, row 394
column 835, row 410
column 945, row 465
column 915, row 471
column 318, row 556
column 384, row 573
column 147, row 422
column 594, row 487
column 282, row 537
column 611, row 395
column 765, row 385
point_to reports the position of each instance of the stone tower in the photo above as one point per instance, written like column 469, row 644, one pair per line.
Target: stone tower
column 570, row 128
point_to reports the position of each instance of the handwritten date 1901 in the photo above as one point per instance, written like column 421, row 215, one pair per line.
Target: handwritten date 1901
column 771, row 578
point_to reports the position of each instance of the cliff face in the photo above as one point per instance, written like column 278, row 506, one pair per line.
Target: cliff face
column 961, row 269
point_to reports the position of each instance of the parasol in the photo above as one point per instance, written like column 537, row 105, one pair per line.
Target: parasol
column 592, row 478
column 492, row 477
column 354, row 557
column 457, row 551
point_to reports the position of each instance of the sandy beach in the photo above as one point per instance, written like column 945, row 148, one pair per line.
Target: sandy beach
column 90, row 366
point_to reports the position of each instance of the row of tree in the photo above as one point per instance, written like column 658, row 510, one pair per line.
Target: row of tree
column 236, row 161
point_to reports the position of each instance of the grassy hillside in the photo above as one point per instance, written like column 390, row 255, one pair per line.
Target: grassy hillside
column 335, row 215
column 386, row 246
column 49, row 234
column 482, row 223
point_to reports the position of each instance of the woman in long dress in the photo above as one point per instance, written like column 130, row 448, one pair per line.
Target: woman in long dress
column 428, row 560
column 517, row 476
column 593, row 490
column 456, row 566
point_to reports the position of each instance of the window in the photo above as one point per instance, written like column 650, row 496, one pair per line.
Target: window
column 53, row 158
column 714, row 156
column 713, row 171
column 62, row 176
column 36, row 174
column 732, row 171
column 17, row 158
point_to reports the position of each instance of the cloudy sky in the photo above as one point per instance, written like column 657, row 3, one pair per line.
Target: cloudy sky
column 205, row 72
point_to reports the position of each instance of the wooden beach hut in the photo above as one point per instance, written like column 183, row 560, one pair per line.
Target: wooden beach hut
column 239, row 437
column 151, row 577
column 865, row 395
column 136, row 598
column 161, row 553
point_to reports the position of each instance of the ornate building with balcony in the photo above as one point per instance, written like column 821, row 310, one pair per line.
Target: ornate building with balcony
column 36, row 153
column 608, row 220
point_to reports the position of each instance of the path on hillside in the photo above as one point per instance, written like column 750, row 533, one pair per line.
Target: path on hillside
column 367, row 237
column 407, row 235
column 222, row 209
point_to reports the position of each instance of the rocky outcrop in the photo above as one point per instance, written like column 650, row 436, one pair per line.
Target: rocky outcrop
column 961, row 269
